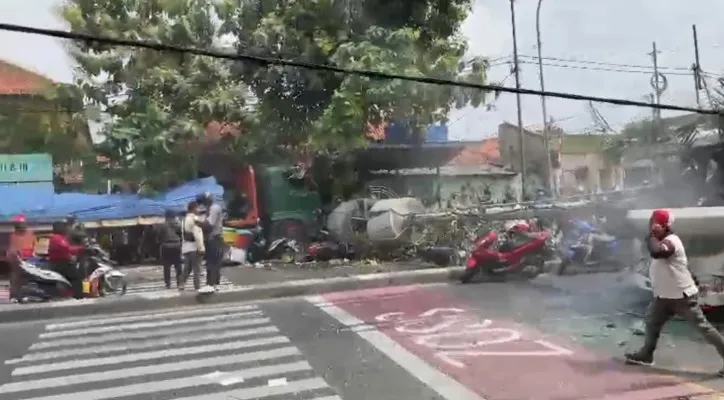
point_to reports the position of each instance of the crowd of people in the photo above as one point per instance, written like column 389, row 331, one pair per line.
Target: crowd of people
column 184, row 244
column 196, row 237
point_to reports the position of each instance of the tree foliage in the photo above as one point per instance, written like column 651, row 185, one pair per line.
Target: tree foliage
column 158, row 103
column 303, row 107
column 47, row 122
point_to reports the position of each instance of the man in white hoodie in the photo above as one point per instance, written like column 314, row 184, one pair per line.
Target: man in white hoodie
column 192, row 246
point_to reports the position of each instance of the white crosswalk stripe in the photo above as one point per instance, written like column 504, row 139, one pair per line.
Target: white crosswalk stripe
column 208, row 353
column 151, row 285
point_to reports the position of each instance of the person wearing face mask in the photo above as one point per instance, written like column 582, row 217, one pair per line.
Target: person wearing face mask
column 674, row 288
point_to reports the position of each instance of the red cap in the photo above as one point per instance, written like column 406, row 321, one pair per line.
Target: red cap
column 662, row 217
column 20, row 218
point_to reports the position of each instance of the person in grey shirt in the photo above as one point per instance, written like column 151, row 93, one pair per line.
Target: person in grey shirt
column 213, row 238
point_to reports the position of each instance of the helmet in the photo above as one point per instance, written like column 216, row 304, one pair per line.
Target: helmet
column 19, row 219
column 662, row 217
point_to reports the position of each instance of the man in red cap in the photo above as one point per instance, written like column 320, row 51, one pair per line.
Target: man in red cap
column 674, row 288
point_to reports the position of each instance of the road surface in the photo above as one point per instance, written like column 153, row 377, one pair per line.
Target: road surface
column 556, row 338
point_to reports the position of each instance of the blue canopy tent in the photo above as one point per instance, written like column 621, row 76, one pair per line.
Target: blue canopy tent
column 40, row 204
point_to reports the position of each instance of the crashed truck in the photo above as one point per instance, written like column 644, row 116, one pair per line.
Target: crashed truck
column 695, row 196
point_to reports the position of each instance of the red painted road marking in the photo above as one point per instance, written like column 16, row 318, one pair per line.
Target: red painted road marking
column 499, row 359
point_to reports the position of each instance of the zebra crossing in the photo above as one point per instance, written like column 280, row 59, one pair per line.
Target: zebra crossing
column 225, row 352
column 154, row 283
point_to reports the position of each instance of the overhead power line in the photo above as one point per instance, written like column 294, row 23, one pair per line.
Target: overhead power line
column 606, row 64
column 602, row 66
column 334, row 69
column 587, row 68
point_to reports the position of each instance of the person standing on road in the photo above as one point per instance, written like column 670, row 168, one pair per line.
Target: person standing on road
column 170, row 248
column 192, row 246
column 214, row 240
column 674, row 288
column 22, row 246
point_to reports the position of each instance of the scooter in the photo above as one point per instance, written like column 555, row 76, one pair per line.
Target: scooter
column 41, row 284
column 102, row 277
column 285, row 249
column 524, row 256
column 573, row 248
column 326, row 248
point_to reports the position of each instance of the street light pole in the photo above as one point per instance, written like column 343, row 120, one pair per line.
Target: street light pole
column 517, row 98
column 551, row 181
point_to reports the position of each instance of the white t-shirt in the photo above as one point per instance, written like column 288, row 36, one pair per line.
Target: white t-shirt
column 670, row 277
column 189, row 225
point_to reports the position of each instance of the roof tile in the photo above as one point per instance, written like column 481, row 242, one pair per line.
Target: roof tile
column 15, row 80
column 486, row 152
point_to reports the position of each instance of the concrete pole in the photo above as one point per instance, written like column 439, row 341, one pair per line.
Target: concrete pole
column 552, row 187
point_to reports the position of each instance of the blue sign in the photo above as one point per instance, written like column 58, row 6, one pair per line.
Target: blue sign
column 23, row 168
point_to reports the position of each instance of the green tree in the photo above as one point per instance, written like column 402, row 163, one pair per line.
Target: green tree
column 323, row 110
column 49, row 121
column 158, row 103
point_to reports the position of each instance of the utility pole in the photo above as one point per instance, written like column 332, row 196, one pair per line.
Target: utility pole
column 655, row 82
column 696, row 67
column 546, row 137
column 517, row 97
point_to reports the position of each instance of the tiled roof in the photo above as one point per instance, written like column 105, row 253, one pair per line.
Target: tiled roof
column 15, row 80
column 487, row 152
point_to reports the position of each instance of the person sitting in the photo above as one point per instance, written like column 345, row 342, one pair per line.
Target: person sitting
column 62, row 255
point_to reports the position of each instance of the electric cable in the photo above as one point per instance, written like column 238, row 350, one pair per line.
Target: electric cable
column 608, row 64
column 75, row 36
column 607, row 69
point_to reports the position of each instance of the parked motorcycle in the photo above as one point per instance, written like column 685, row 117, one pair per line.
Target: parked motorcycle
column 327, row 248
column 574, row 246
column 285, row 249
column 523, row 255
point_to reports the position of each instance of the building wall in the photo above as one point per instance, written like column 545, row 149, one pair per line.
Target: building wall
column 535, row 151
column 600, row 174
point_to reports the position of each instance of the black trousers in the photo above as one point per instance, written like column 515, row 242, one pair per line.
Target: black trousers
column 661, row 310
column 214, row 257
column 69, row 270
column 171, row 258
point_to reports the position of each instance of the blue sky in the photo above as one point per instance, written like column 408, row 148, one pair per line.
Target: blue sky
column 611, row 31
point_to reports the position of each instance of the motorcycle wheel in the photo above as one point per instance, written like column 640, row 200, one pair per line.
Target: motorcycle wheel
column 114, row 286
column 468, row 275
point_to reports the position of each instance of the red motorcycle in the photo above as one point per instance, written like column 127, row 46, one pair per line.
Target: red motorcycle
column 521, row 253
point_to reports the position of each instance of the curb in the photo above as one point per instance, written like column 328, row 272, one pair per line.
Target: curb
column 305, row 287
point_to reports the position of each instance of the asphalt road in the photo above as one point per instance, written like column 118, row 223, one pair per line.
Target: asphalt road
column 555, row 338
